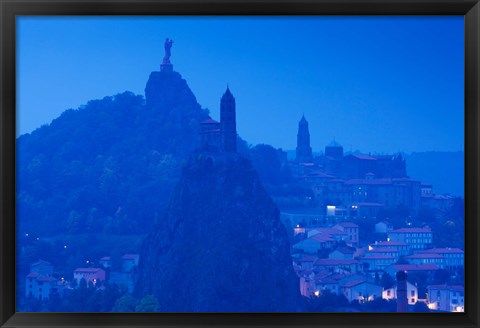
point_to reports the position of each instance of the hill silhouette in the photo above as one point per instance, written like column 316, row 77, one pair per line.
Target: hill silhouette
column 110, row 165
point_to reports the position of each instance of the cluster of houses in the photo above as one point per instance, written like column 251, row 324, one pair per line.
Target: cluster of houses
column 42, row 282
column 331, row 258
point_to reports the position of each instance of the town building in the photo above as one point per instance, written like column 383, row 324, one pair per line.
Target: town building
column 105, row 262
column 352, row 231
column 343, row 253
column 313, row 244
column 377, row 262
column 416, row 238
column 427, row 269
column 338, row 266
column 446, row 298
column 453, row 257
column 362, row 291
column 385, row 251
column 40, row 283
column 130, row 262
column 426, row 258
column 402, row 248
column 412, row 293
column 39, row 286
column 91, row 275
column 42, row 267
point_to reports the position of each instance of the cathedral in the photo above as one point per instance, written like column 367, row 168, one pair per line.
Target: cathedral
column 352, row 166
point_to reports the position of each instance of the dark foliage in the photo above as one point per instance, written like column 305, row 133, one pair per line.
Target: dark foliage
column 110, row 166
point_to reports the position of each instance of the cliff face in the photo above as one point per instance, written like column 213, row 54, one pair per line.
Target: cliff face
column 221, row 246
column 173, row 113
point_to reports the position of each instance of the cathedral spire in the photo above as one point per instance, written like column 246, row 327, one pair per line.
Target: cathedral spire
column 304, row 151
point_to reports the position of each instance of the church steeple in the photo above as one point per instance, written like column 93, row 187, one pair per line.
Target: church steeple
column 228, row 122
column 304, row 151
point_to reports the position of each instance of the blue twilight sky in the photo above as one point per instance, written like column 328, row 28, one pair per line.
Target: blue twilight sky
column 375, row 84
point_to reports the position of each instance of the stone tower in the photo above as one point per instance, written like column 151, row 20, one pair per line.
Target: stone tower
column 228, row 122
column 304, row 151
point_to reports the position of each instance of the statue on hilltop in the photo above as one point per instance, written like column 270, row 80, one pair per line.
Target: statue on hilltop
column 168, row 46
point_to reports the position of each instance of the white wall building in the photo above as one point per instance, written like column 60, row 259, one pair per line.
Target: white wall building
column 412, row 293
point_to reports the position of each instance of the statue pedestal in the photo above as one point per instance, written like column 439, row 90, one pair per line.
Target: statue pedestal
column 166, row 68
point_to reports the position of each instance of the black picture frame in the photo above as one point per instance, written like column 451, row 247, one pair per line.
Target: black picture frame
column 9, row 9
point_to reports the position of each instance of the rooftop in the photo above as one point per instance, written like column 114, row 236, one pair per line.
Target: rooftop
column 389, row 243
column 377, row 257
column 354, row 283
column 130, row 257
column 457, row 288
column 415, row 267
column 447, row 250
column 323, row 262
column 383, row 250
column 412, row 230
column 347, row 224
column 87, row 270
column 425, row 256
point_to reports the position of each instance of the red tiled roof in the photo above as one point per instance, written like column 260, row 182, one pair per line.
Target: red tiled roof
column 415, row 267
column 377, row 257
column 130, row 256
column 41, row 262
column 383, row 250
column 347, row 224
column 323, row 262
column 317, row 174
column 87, row 270
column 425, row 256
column 408, row 230
column 327, row 280
column 353, row 283
column 365, row 204
column 443, row 250
column 389, row 243
column 457, row 288
column 32, row 275
column 105, row 258
column 321, row 238
column 344, row 250
column 330, row 231
column 45, row 279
